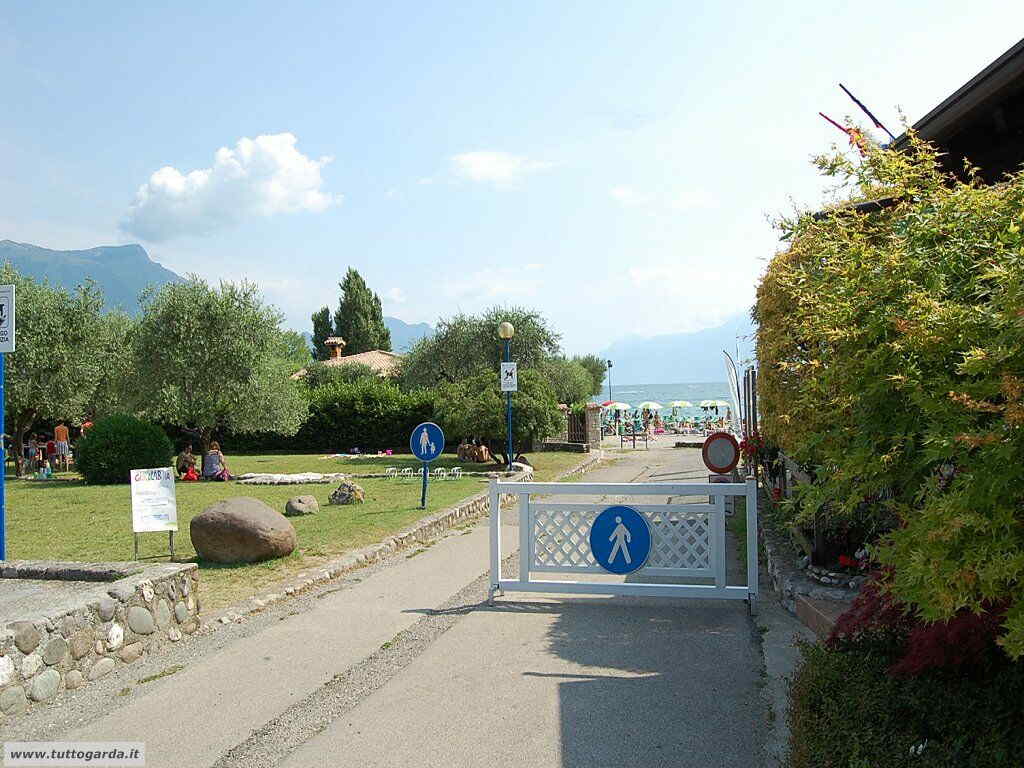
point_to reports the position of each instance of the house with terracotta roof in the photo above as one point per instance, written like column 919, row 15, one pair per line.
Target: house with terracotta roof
column 384, row 364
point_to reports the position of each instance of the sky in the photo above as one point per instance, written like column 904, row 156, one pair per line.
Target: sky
column 614, row 165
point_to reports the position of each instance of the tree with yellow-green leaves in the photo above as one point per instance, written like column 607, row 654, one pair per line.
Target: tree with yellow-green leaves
column 891, row 351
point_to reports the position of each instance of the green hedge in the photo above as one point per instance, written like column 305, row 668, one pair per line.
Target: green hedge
column 846, row 711
column 112, row 447
column 369, row 414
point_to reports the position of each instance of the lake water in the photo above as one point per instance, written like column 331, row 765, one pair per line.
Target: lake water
column 634, row 394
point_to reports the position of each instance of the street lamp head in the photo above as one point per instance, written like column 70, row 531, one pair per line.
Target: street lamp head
column 506, row 330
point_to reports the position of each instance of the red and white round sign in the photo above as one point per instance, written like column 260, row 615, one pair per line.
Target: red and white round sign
column 721, row 453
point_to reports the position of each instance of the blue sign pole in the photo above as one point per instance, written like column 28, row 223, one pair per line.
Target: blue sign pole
column 3, row 469
column 508, row 404
column 423, row 496
column 426, row 443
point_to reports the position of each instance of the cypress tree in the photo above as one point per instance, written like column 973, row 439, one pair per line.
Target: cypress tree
column 322, row 328
column 359, row 318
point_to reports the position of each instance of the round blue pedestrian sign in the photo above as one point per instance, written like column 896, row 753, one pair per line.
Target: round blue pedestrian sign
column 620, row 539
column 427, row 441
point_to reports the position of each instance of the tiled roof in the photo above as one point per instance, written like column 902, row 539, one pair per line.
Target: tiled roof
column 383, row 363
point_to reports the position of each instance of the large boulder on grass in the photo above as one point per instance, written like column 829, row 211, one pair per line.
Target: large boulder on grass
column 301, row 505
column 241, row 530
column 347, row 493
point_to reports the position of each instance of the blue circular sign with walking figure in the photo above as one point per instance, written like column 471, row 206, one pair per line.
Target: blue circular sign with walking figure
column 427, row 441
column 620, row 540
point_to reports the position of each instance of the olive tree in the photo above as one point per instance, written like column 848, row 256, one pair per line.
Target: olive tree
column 475, row 407
column 58, row 359
column 570, row 380
column 466, row 345
column 211, row 358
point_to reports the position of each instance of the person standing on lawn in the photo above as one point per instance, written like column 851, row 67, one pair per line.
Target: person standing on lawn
column 62, row 438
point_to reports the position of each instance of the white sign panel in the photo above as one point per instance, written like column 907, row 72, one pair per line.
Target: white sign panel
column 6, row 318
column 509, row 377
column 154, row 507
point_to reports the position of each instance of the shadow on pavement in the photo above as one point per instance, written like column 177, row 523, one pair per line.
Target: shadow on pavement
column 674, row 683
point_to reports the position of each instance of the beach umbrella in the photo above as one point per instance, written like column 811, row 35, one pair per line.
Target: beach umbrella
column 607, row 403
column 650, row 405
column 713, row 404
column 620, row 406
column 680, row 404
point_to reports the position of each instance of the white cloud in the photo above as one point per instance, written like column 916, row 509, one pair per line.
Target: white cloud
column 394, row 296
column 630, row 197
column 259, row 177
column 496, row 167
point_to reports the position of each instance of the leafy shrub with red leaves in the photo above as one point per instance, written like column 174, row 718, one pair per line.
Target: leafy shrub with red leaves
column 965, row 642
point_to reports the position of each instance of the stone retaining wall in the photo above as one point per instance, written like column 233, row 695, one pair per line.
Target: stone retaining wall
column 108, row 626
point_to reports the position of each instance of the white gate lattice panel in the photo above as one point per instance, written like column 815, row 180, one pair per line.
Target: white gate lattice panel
column 681, row 538
column 687, row 540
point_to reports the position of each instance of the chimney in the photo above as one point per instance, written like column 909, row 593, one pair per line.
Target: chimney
column 335, row 344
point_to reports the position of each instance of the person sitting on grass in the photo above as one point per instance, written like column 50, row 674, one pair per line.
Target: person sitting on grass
column 185, row 461
column 214, row 466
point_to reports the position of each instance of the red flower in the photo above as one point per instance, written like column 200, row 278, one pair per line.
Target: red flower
column 847, row 562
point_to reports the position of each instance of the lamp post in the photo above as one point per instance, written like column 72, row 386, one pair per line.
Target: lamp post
column 609, row 378
column 505, row 332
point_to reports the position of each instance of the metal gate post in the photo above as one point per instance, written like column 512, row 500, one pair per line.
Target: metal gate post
column 495, row 501
column 752, row 569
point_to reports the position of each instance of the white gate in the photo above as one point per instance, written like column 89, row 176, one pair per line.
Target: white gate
column 687, row 540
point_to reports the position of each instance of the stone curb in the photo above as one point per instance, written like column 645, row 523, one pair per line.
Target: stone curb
column 423, row 530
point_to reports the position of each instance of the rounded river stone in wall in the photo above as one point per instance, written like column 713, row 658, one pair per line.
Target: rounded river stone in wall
column 241, row 530
column 81, row 643
column 12, row 701
column 101, row 668
column 55, row 650
column 106, row 609
column 163, row 614
column 45, row 686
column 140, row 620
column 26, row 636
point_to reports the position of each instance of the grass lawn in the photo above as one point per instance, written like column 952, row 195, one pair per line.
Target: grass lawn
column 64, row 519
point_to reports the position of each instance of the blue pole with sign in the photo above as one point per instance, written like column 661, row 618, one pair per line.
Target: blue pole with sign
column 423, row 495
column 426, row 443
column 508, row 404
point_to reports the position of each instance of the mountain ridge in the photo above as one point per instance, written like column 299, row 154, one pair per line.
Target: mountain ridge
column 689, row 357
column 122, row 272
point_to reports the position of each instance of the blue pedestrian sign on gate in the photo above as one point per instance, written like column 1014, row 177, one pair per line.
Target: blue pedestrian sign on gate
column 620, row 540
column 427, row 441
